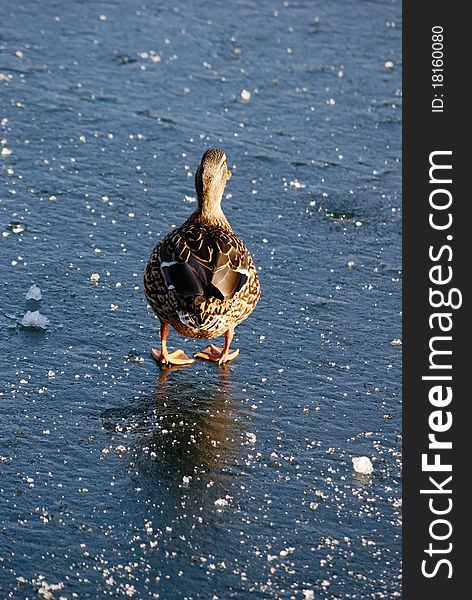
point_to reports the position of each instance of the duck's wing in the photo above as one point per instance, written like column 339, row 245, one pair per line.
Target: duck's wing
column 207, row 262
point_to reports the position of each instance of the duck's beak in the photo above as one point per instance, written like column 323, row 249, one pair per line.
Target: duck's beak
column 228, row 173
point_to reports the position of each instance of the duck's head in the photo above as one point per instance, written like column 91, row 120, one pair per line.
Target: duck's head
column 210, row 179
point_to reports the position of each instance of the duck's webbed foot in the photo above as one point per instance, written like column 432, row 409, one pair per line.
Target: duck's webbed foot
column 167, row 359
column 217, row 354
column 220, row 355
column 171, row 358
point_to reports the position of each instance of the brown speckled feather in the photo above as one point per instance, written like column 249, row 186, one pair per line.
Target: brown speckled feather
column 201, row 278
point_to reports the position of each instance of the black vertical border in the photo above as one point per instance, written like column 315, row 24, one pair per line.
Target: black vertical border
column 423, row 133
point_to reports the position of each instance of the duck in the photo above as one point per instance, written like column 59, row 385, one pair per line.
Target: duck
column 201, row 279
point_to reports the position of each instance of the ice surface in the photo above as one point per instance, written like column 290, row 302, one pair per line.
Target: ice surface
column 286, row 482
column 35, row 319
column 34, row 293
column 362, row 464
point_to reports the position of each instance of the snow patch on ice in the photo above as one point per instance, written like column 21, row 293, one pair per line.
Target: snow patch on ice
column 35, row 319
column 34, row 293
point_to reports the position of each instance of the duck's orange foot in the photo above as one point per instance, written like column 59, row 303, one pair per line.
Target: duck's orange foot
column 173, row 358
column 216, row 354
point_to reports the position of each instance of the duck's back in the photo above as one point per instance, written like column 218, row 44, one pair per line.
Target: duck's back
column 201, row 279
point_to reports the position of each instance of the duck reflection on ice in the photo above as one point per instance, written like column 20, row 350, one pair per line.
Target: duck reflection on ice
column 185, row 439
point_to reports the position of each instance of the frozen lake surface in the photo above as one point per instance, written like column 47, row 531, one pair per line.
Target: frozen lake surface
column 119, row 480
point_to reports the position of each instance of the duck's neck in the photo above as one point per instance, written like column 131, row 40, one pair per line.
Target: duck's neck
column 209, row 210
column 209, row 205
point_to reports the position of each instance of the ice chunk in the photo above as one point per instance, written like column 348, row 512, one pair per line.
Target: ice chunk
column 17, row 227
column 362, row 464
column 35, row 319
column 34, row 293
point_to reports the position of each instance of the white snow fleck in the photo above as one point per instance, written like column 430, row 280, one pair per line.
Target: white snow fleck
column 396, row 343
column 34, row 293
column 51, row 374
column 221, row 502
column 246, row 95
column 309, row 595
column 47, row 590
column 5, row 151
column 251, row 437
column 94, row 277
column 389, row 64
column 35, row 319
column 362, row 464
column 351, row 264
